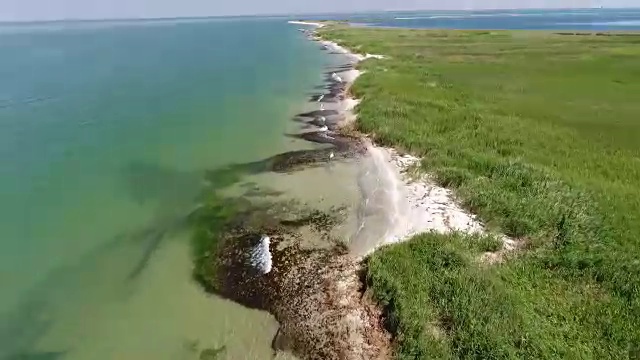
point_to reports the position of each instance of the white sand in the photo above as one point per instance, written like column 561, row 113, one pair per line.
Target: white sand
column 349, row 104
column 334, row 47
column 307, row 23
column 431, row 207
column 351, row 75
column 397, row 207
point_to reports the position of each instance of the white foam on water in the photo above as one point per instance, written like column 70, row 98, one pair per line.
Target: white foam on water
column 261, row 257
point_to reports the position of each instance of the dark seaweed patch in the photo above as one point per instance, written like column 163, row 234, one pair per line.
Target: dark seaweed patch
column 317, row 113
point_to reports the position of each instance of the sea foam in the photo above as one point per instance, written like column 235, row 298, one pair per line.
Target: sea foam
column 261, row 255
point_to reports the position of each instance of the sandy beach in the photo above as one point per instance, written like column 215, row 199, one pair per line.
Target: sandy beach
column 397, row 205
column 306, row 23
column 481, row 131
column 310, row 265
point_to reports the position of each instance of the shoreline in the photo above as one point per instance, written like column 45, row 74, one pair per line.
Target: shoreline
column 420, row 205
column 283, row 258
column 337, row 302
column 506, row 128
column 338, row 317
column 307, row 23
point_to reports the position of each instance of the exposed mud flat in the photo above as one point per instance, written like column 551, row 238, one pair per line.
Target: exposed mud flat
column 315, row 294
column 311, row 284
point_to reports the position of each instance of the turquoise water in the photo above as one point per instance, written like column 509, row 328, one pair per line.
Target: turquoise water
column 105, row 131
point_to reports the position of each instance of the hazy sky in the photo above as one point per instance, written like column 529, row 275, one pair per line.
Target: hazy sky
column 20, row 10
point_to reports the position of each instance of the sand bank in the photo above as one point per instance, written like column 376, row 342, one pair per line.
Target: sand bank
column 397, row 206
column 306, row 23
column 314, row 290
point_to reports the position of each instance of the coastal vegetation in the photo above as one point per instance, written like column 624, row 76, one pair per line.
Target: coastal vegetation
column 220, row 215
column 537, row 133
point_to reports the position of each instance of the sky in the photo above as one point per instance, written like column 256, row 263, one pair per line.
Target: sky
column 29, row 10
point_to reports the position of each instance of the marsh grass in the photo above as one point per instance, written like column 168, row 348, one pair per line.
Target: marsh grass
column 539, row 134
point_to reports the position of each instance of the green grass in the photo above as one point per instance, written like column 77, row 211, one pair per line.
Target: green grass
column 539, row 134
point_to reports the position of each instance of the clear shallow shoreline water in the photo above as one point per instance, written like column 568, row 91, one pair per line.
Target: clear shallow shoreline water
column 105, row 136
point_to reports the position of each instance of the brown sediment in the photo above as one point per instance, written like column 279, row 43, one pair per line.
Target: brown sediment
column 328, row 98
column 332, row 122
column 343, row 147
column 340, row 69
column 316, row 113
column 344, row 67
column 321, row 305
column 423, row 206
column 316, row 293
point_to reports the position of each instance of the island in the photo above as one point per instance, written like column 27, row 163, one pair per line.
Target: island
column 537, row 133
column 516, row 226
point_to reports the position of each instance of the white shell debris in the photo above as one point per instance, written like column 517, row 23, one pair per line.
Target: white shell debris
column 261, row 255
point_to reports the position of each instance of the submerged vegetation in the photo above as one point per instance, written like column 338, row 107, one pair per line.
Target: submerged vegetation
column 538, row 134
column 312, row 289
column 220, row 217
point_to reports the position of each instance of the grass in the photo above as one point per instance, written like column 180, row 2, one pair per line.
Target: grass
column 537, row 133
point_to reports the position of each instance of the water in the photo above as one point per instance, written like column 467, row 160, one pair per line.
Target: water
column 568, row 19
column 106, row 129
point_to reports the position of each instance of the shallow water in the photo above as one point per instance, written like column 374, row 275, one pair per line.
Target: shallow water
column 105, row 134
column 383, row 213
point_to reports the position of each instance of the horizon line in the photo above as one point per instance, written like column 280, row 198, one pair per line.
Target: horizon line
column 275, row 15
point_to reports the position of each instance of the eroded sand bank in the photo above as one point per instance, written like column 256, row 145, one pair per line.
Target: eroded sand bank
column 313, row 284
column 397, row 206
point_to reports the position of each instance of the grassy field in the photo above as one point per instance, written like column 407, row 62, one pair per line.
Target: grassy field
column 539, row 134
